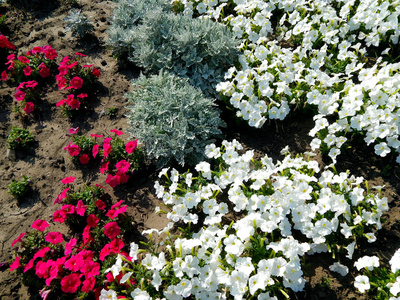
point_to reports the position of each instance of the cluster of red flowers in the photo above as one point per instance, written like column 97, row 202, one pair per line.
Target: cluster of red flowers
column 77, row 78
column 26, row 94
column 122, row 166
column 34, row 64
column 5, row 43
column 76, row 265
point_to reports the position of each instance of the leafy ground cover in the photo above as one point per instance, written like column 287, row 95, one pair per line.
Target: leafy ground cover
column 49, row 166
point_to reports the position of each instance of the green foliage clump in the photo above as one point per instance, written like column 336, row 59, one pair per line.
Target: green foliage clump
column 174, row 120
column 155, row 38
column 19, row 139
column 18, row 189
column 78, row 23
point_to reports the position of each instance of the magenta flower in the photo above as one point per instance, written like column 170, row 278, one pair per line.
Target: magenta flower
column 84, row 159
column 73, row 150
column 80, row 208
column 69, row 246
column 117, row 132
column 100, row 204
column 69, row 179
column 59, row 216
column 15, row 264
column 70, row 283
column 40, row 225
column 19, row 95
column 54, row 238
column 123, row 166
column 131, row 146
column 76, row 83
column 95, row 150
column 73, row 130
column 29, row 107
column 27, row 71
column 112, row 230
column 18, row 239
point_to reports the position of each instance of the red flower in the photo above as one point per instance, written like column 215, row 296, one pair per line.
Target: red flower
column 100, row 204
column 49, row 52
column 29, row 107
column 18, row 239
column 73, row 130
column 88, row 284
column 27, row 71
column 69, row 209
column 70, row 283
column 61, row 196
column 80, row 54
column 117, row 132
column 116, row 245
column 87, row 238
column 131, row 146
column 96, row 135
column 41, row 252
column 73, row 150
column 112, row 230
column 31, row 84
column 92, row 220
column 123, row 166
column 80, row 208
column 4, row 43
column 40, row 225
column 95, row 150
column 69, row 179
column 96, row 72
column 59, row 216
column 24, row 59
column 19, row 96
column 4, row 75
column 104, row 167
column 74, row 263
column 37, row 50
column 69, row 246
column 82, row 96
column 62, row 102
column 54, row 238
column 90, row 268
column 104, row 252
column 113, row 181
column 76, row 83
column 44, row 71
column 15, row 264
column 84, row 159
column 72, row 102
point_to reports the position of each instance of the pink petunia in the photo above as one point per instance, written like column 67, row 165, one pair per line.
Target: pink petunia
column 123, row 166
column 104, row 167
column 73, row 130
column 80, row 208
column 15, row 264
column 19, row 95
column 69, row 209
column 70, row 283
column 40, row 225
column 61, row 102
column 96, row 135
column 96, row 72
column 90, row 268
column 59, row 216
column 69, row 179
column 23, row 59
column 74, row 150
column 84, row 159
column 44, row 71
column 76, row 82
column 73, row 102
column 29, row 107
column 28, row 71
column 92, row 221
column 18, row 239
column 117, row 132
column 82, row 96
column 69, row 246
column 74, row 263
column 113, row 181
column 54, row 238
column 100, row 204
column 61, row 196
column 131, row 146
column 4, row 75
column 88, row 284
column 95, row 150
column 112, row 230
column 31, row 84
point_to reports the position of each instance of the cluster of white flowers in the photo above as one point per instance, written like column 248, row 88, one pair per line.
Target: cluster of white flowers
column 362, row 282
column 314, row 53
column 256, row 254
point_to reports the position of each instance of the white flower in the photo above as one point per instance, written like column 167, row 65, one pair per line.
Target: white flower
column 134, row 250
column 138, row 294
column 339, row 268
column 125, row 277
column 395, row 261
column 110, row 294
column 368, row 262
column 382, row 149
column 362, row 283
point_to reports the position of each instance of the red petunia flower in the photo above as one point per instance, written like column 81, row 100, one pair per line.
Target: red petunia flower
column 112, row 230
column 92, row 221
column 18, row 239
column 95, row 150
column 73, row 150
column 28, row 71
column 4, row 75
column 96, row 72
column 69, row 179
column 70, row 283
column 84, row 159
column 29, row 107
column 113, row 181
column 76, row 82
column 19, row 95
column 104, row 167
column 69, row 246
column 59, row 216
column 54, row 238
column 100, row 204
column 117, row 132
column 15, row 264
column 40, row 225
column 131, row 146
column 123, row 166
column 80, row 208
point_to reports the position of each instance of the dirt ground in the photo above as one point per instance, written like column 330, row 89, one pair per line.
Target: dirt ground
column 36, row 24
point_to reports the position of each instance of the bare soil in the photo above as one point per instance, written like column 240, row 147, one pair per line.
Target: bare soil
column 38, row 24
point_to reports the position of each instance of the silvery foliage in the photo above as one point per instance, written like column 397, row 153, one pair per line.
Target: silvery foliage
column 174, row 120
column 78, row 23
column 155, row 38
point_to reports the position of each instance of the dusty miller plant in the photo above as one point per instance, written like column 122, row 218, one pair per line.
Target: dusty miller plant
column 173, row 119
column 78, row 23
column 156, row 38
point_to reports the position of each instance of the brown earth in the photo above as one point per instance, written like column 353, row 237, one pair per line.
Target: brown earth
column 35, row 24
